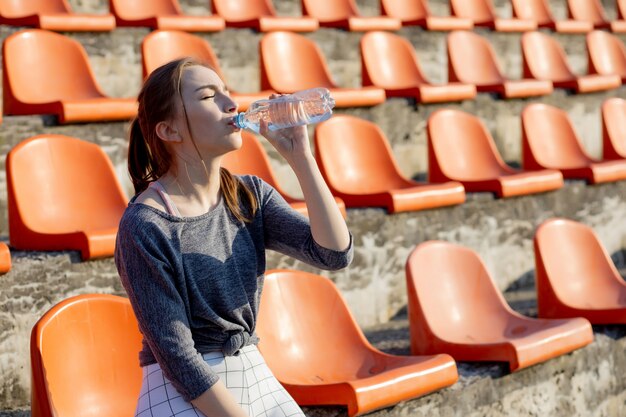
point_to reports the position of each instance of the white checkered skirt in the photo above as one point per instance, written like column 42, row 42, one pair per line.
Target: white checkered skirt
column 246, row 376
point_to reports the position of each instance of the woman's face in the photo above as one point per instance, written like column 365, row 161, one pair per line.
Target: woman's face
column 210, row 112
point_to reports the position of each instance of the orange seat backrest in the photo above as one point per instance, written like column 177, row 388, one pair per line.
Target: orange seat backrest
column 577, row 264
column 551, row 137
column 544, row 58
column 292, row 62
column 390, row 60
column 143, row 9
column 60, row 184
column 241, row 10
column 405, row 9
column 607, row 53
column 84, row 358
column 614, row 124
column 463, row 146
column 163, row 46
column 250, row 159
column 44, row 67
column 330, row 10
column 479, row 11
column 307, row 332
column 536, row 10
column 586, row 10
column 455, row 293
column 356, row 156
column 21, row 8
column 473, row 58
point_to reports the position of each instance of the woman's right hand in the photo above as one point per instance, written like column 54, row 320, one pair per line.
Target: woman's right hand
column 217, row 401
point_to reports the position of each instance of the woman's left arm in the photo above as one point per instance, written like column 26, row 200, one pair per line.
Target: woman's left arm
column 327, row 224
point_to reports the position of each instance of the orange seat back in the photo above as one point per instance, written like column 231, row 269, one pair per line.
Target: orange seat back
column 60, row 184
column 607, row 54
column 241, row 10
column 143, row 9
column 472, row 60
column 250, row 159
column 406, row 10
column 551, row 138
column 389, row 61
column 544, row 58
column 163, row 46
column 292, row 62
column 479, row 11
column 579, row 269
column 43, row 67
column 614, row 128
column 355, row 157
column 463, row 147
column 330, row 10
column 84, row 359
column 586, row 10
column 20, row 8
column 307, row 332
column 452, row 292
column 536, row 10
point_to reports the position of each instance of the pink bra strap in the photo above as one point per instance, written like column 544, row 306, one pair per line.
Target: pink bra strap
column 167, row 200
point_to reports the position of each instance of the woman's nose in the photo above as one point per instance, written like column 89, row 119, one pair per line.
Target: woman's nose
column 230, row 106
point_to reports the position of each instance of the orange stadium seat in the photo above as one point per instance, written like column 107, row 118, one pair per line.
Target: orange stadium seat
column 260, row 15
column 63, row 195
column 345, row 14
column 417, row 13
column 358, row 165
column 83, row 354
column 252, row 159
column 48, row 73
column 454, row 307
column 162, row 46
column 162, row 14
column 290, row 62
column 389, row 61
column 5, row 258
column 472, row 60
column 315, row 347
column 591, row 11
column 539, row 11
column 482, row 13
column 575, row 275
column 52, row 15
column 475, row 161
column 606, row 53
column 614, row 129
column 545, row 59
column 549, row 141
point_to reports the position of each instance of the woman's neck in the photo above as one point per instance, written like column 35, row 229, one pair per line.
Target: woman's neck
column 194, row 187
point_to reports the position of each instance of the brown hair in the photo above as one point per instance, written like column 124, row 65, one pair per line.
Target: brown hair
column 149, row 157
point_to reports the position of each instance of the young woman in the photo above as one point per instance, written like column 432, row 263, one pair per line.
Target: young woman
column 191, row 247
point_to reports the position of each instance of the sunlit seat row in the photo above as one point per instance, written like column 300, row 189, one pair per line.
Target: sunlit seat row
column 260, row 15
column 76, row 184
column 60, row 81
column 318, row 352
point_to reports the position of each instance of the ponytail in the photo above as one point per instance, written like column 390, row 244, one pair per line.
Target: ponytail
column 234, row 192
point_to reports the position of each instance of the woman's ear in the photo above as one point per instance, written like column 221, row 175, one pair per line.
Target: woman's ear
column 165, row 131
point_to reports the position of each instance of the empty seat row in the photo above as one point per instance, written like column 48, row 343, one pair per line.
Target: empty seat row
column 321, row 355
column 60, row 80
column 83, row 211
column 261, row 15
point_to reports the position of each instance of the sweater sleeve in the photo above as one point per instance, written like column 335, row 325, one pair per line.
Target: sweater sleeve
column 149, row 279
column 288, row 231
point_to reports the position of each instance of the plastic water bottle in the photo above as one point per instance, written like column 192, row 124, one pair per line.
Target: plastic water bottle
column 301, row 108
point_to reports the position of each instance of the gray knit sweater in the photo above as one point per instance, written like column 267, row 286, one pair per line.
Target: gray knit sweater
column 195, row 282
